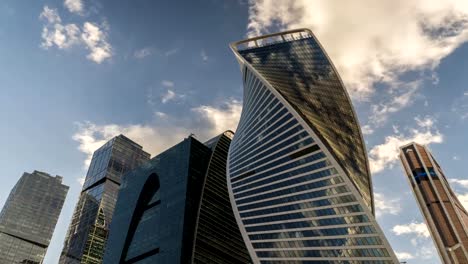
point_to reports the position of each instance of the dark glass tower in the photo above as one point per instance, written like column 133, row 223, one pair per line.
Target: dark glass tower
column 445, row 216
column 29, row 216
column 176, row 209
column 88, row 230
column 298, row 171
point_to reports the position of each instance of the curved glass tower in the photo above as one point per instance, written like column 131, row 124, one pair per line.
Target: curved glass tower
column 299, row 178
column 176, row 209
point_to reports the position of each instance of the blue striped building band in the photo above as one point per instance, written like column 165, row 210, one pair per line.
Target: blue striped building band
column 298, row 174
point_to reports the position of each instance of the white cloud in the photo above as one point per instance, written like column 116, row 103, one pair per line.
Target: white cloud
column 167, row 83
column 160, row 114
column 204, row 56
column 400, row 99
column 168, row 96
column 96, row 41
column 463, row 183
column 404, row 255
column 51, row 15
column 386, row 154
column 74, row 6
column 463, row 198
column 415, row 228
column 204, row 121
column 143, row 53
column 460, row 106
column 65, row 36
column 81, row 180
column 371, row 41
column 56, row 33
column 367, row 130
column 384, row 205
column 221, row 118
column 171, row 52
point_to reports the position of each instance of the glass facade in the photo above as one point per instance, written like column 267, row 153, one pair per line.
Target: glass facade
column 176, row 209
column 88, row 230
column 297, row 166
column 29, row 216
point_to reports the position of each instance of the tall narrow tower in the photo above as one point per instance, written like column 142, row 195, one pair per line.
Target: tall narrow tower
column 445, row 216
column 29, row 216
column 89, row 227
column 298, row 173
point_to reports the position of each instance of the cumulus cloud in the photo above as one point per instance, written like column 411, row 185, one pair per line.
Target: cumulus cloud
column 384, row 205
column 371, row 41
column 386, row 154
column 64, row 36
column 50, row 15
column 221, row 118
column 461, row 182
column 54, row 33
column 203, row 121
column 96, row 42
column 404, row 255
column 414, row 228
column 74, row 6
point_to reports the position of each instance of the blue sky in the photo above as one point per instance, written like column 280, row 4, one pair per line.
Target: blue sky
column 75, row 73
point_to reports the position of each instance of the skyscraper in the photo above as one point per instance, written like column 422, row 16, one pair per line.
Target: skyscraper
column 29, row 216
column 298, row 171
column 176, row 209
column 89, row 227
column 445, row 216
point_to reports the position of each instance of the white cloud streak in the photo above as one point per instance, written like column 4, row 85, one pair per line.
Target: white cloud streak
column 386, row 154
column 143, row 53
column 371, row 41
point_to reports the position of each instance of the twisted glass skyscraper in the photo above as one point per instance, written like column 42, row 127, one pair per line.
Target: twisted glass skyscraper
column 298, row 173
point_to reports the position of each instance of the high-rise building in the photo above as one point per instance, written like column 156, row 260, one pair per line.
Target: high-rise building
column 29, row 216
column 176, row 209
column 445, row 216
column 89, row 227
column 298, row 171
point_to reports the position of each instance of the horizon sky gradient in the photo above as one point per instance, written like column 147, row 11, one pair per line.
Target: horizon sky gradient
column 77, row 72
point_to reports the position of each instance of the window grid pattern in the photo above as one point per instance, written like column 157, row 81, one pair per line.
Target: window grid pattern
column 291, row 201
